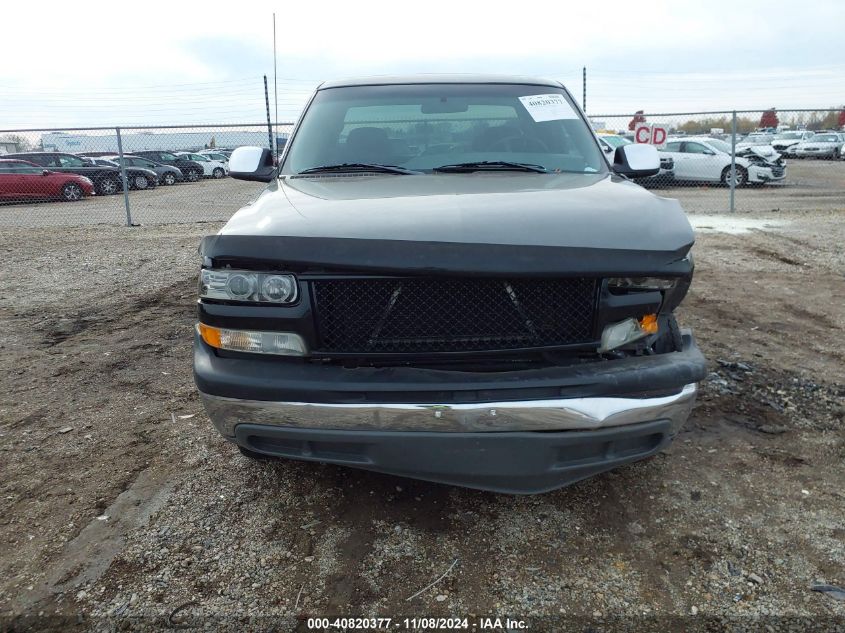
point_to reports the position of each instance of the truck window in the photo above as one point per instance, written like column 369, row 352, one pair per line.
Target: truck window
column 424, row 126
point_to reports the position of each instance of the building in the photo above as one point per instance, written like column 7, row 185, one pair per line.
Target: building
column 79, row 143
column 8, row 146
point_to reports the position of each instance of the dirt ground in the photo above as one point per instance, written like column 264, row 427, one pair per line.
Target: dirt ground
column 123, row 509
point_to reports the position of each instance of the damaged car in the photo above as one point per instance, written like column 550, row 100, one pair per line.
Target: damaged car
column 705, row 159
column 445, row 279
column 785, row 143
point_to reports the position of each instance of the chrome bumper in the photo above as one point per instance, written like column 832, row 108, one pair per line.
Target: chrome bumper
column 533, row 415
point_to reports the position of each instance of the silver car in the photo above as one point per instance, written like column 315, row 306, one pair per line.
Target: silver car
column 825, row 145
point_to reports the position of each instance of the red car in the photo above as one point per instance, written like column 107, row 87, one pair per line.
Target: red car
column 22, row 180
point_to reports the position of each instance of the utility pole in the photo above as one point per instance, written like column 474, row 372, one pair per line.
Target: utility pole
column 584, row 89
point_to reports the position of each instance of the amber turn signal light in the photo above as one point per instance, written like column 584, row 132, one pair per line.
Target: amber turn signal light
column 649, row 323
column 211, row 335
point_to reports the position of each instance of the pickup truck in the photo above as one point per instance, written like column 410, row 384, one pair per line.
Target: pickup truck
column 446, row 279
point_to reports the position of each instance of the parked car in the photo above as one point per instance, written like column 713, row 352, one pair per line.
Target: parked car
column 191, row 169
column 225, row 151
column 211, row 168
column 824, row 145
column 106, row 179
column 704, row 159
column 491, row 308
column 165, row 174
column 136, row 177
column 754, row 139
column 666, row 175
column 215, row 155
column 20, row 179
column 785, row 142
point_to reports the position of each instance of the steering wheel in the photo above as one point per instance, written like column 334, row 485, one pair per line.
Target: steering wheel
column 507, row 142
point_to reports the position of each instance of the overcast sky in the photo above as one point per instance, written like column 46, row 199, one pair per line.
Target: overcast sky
column 109, row 63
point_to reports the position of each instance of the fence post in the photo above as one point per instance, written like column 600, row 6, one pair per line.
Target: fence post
column 123, row 177
column 733, row 160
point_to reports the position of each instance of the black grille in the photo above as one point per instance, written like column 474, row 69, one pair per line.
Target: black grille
column 408, row 315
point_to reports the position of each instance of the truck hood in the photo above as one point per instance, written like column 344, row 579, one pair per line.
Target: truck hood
column 478, row 222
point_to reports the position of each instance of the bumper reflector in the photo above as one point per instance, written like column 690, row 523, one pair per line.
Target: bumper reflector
column 283, row 343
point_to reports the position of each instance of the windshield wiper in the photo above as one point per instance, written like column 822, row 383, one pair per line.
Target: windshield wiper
column 341, row 168
column 491, row 165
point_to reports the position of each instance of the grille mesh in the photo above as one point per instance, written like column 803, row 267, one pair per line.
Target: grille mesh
column 412, row 315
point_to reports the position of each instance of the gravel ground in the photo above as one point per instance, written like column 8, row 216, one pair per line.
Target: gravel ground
column 123, row 509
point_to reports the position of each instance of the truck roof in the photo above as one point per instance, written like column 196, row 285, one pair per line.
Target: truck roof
column 388, row 80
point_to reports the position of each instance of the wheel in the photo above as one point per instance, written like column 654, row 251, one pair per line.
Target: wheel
column 259, row 457
column 741, row 176
column 169, row 178
column 72, row 192
column 218, row 172
column 192, row 175
column 140, row 182
column 108, row 186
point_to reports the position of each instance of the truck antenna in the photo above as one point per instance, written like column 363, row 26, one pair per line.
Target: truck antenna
column 269, row 125
column 275, row 94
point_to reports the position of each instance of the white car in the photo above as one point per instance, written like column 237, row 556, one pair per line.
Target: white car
column 704, row 159
column 210, row 168
column 215, row 155
column 824, row 145
column 785, row 142
column 755, row 139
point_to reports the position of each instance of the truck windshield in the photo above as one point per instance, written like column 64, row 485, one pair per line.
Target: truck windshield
column 423, row 127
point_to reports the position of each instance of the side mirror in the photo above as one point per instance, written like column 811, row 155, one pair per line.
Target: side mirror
column 636, row 160
column 46, row 172
column 252, row 163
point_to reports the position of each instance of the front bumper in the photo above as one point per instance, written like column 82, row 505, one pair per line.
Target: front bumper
column 815, row 153
column 757, row 173
column 521, row 432
column 515, row 463
column 563, row 414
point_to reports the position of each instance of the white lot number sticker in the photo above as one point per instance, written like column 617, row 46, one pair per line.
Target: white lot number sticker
column 548, row 107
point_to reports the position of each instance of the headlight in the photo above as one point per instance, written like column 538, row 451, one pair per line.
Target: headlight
column 627, row 331
column 246, row 285
column 641, row 283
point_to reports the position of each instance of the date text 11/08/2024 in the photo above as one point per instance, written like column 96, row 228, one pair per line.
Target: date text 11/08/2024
column 416, row 624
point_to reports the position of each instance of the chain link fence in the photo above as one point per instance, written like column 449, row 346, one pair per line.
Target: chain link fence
column 137, row 175
column 742, row 161
column 714, row 162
